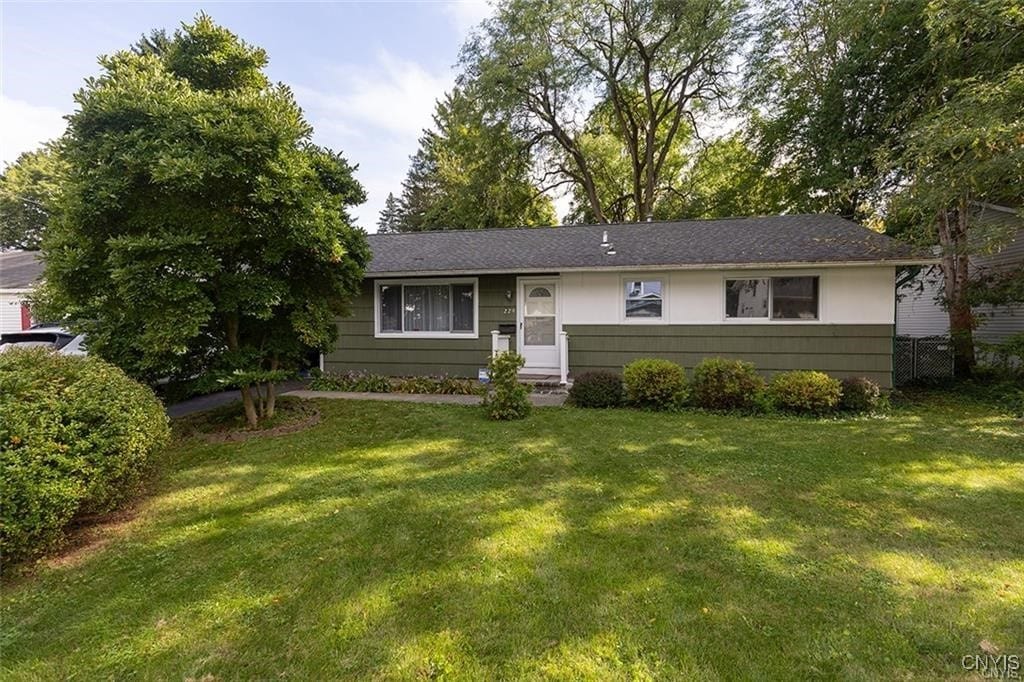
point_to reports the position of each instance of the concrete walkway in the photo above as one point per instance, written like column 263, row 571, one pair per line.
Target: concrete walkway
column 538, row 399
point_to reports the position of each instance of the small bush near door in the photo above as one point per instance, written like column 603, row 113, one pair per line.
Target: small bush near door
column 76, row 436
column 654, row 383
column 507, row 399
column 596, row 389
column 721, row 384
column 805, row 392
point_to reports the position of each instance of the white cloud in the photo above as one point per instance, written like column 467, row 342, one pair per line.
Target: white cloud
column 466, row 14
column 392, row 94
column 374, row 114
column 24, row 127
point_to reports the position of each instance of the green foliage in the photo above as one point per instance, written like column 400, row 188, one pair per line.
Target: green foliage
column 805, row 392
column 860, row 394
column 829, row 83
column 653, row 383
column 439, row 385
column 76, row 435
column 29, row 197
column 653, row 68
column 363, row 382
column 1008, row 356
column 390, row 216
column 357, row 382
column 725, row 178
column 469, row 173
column 200, row 230
column 596, row 389
column 507, row 398
column 721, row 384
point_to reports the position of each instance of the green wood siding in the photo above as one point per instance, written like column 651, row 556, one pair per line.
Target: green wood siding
column 358, row 349
column 841, row 350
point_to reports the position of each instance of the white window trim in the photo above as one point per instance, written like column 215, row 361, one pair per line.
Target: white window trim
column 377, row 333
column 821, row 319
column 665, row 280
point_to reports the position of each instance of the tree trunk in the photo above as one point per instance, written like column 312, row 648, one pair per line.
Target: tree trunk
column 250, row 408
column 271, row 388
column 231, row 337
column 953, row 234
column 271, row 399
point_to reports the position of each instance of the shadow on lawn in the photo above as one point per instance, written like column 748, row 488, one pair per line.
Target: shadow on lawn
column 617, row 544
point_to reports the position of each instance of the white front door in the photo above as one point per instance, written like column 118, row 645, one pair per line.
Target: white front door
column 538, row 323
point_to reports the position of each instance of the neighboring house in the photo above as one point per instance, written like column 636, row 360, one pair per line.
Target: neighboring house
column 919, row 312
column 783, row 292
column 19, row 272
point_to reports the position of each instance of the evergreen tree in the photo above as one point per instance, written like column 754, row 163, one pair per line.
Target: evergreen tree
column 390, row 216
column 469, row 173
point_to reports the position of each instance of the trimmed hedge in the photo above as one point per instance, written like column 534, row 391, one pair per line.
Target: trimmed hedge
column 76, row 436
column 860, row 395
column 596, row 389
column 805, row 392
column 654, row 383
column 721, row 384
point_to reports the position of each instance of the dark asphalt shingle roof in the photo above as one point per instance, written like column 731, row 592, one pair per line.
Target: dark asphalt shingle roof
column 19, row 269
column 680, row 243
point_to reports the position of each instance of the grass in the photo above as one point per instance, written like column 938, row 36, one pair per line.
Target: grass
column 419, row 541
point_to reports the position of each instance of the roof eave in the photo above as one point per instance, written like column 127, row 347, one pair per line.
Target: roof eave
column 652, row 268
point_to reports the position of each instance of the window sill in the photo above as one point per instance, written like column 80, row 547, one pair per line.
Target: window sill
column 426, row 335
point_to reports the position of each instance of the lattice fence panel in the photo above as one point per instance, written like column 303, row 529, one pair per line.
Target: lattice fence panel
column 934, row 358
column 903, row 360
column 925, row 359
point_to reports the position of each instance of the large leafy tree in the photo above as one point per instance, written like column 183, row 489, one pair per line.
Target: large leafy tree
column 659, row 66
column 29, row 192
column 725, row 178
column 828, row 83
column 200, row 229
column 469, row 173
column 964, row 150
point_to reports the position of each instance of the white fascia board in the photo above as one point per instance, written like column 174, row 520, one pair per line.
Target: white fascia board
column 658, row 268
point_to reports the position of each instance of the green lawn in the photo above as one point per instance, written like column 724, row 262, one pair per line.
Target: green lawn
column 416, row 541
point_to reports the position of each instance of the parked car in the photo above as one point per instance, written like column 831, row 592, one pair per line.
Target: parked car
column 52, row 337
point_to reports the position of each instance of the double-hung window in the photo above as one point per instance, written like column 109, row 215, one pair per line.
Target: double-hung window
column 644, row 300
column 439, row 308
column 775, row 298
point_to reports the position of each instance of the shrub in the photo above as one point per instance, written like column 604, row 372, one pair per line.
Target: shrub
column 76, row 436
column 805, row 392
column 457, row 386
column 416, row 385
column 720, row 384
column 860, row 395
column 596, row 389
column 358, row 382
column 507, row 399
column 654, row 383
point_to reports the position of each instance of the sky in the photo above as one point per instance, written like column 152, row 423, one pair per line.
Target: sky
column 367, row 74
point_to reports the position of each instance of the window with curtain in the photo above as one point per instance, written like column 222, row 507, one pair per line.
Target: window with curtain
column 426, row 308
